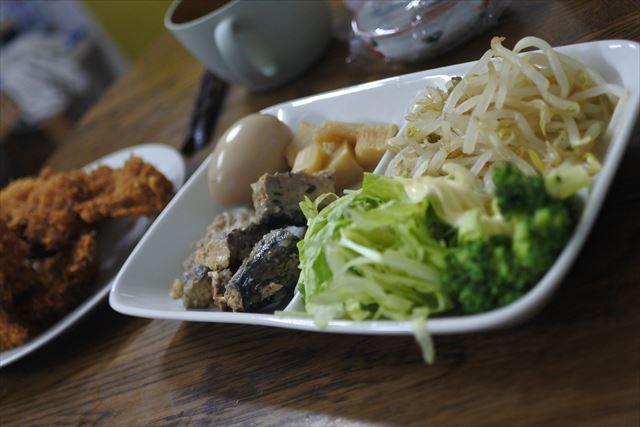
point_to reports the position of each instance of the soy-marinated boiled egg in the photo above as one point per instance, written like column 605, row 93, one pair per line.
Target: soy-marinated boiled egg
column 251, row 147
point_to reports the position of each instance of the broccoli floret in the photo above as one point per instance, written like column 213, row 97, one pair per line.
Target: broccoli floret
column 484, row 272
column 517, row 193
column 538, row 240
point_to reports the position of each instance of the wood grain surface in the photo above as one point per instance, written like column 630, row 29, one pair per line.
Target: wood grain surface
column 575, row 363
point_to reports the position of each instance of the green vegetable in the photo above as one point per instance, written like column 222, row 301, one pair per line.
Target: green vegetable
column 441, row 230
column 481, row 274
column 370, row 255
column 538, row 239
column 405, row 249
column 566, row 181
column 484, row 272
column 517, row 193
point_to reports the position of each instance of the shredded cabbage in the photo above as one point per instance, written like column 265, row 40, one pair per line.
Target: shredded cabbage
column 368, row 255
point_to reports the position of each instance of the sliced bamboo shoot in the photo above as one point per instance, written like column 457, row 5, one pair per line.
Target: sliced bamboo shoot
column 346, row 169
column 310, row 159
column 370, row 146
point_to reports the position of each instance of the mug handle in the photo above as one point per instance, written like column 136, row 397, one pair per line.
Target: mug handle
column 255, row 67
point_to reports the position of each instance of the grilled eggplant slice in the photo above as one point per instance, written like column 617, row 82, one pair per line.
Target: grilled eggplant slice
column 269, row 274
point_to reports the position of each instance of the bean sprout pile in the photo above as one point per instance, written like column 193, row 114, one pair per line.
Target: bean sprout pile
column 540, row 110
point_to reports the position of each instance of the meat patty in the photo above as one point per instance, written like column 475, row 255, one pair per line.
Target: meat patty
column 277, row 197
column 227, row 248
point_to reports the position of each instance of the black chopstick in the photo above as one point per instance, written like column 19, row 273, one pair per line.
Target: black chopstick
column 205, row 113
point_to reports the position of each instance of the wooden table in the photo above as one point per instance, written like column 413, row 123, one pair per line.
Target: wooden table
column 576, row 363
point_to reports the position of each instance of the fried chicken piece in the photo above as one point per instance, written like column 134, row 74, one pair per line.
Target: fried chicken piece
column 41, row 208
column 12, row 332
column 63, row 280
column 49, row 209
column 136, row 189
column 14, row 201
column 16, row 273
column 34, row 296
column 16, row 279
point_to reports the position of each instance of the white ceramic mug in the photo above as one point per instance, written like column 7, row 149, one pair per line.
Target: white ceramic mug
column 259, row 44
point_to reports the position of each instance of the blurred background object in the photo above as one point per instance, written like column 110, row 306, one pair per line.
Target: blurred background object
column 56, row 60
column 131, row 24
column 416, row 30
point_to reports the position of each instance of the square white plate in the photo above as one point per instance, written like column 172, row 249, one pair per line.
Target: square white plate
column 142, row 286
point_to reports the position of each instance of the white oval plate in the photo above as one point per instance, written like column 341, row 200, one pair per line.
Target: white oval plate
column 116, row 238
column 142, row 286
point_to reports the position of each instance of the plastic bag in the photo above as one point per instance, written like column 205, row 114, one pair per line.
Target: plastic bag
column 412, row 30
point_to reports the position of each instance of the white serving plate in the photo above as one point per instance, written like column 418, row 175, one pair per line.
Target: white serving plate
column 142, row 286
column 116, row 238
